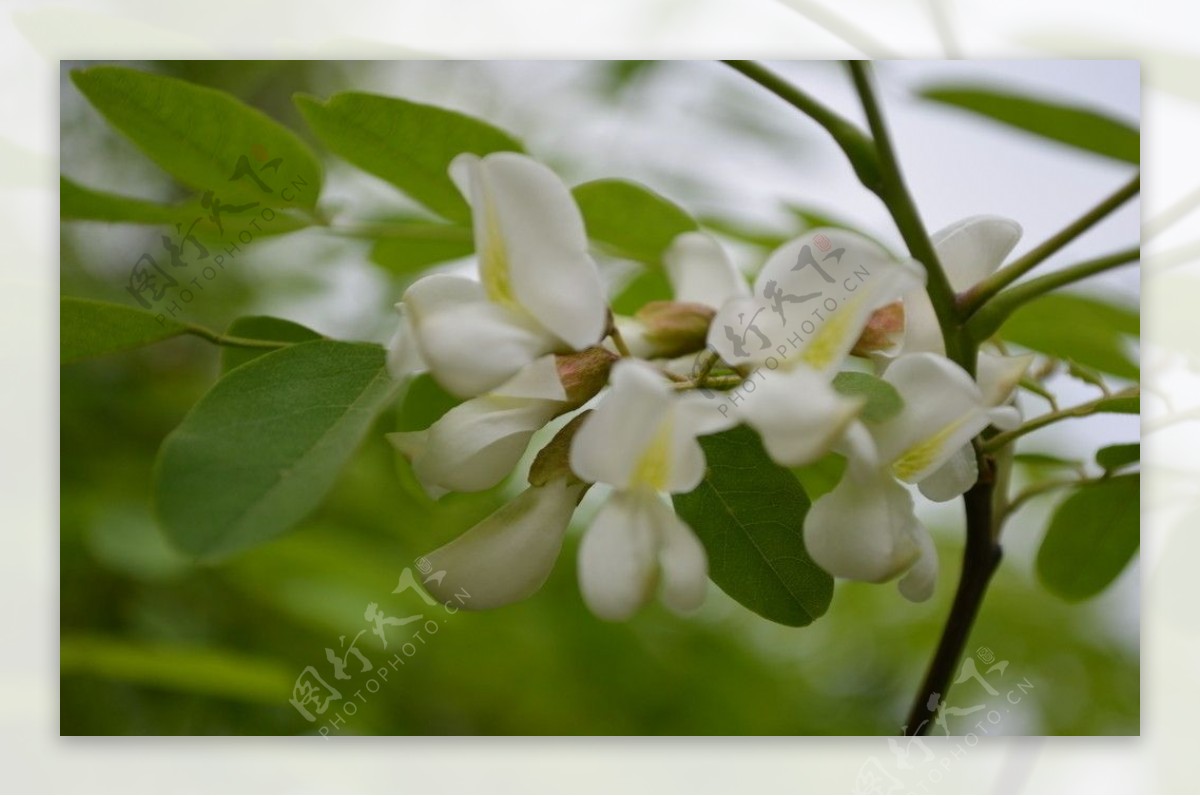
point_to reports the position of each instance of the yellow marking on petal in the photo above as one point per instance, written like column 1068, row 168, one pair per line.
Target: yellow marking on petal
column 493, row 261
column 917, row 458
column 829, row 342
column 653, row 467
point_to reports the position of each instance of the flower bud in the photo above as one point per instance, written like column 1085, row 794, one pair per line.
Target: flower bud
column 583, row 374
column 884, row 331
column 672, row 328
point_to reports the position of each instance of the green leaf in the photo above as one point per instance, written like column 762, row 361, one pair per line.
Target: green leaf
column 264, row 446
column 1078, row 127
column 187, row 669
column 649, row 285
column 631, row 220
column 408, row 144
column 261, row 327
column 424, row 404
column 1121, row 405
column 882, row 399
column 1092, row 536
column 94, row 328
column 1114, row 457
column 77, row 203
column 1073, row 327
column 203, row 137
column 1045, row 462
column 421, row 244
column 748, row 512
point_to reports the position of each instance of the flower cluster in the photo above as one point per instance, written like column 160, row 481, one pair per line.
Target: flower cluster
column 533, row 339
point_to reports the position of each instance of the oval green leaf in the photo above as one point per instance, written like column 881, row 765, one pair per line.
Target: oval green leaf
column 206, row 139
column 264, row 446
column 406, row 143
column 748, row 512
column 1092, row 536
column 94, row 328
column 1078, row 127
column 1114, row 457
column 882, row 400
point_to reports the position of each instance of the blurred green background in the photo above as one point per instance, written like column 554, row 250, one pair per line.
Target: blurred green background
column 154, row 644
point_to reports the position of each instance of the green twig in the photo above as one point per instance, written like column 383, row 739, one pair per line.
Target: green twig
column 978, row 296
column 992, row 315
column 1080, row 410
column 895, row 195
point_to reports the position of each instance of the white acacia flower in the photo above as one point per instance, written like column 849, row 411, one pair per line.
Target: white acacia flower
column 811, row 302
column 865, row 528
column 479, row 442
column 508, row 555
column 539, row 290
column 641, row 440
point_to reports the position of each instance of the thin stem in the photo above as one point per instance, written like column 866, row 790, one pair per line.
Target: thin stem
column 1039, row 489
column 976, row 297
column 856, row 144
column 232, row 341
column 618, row 340
column 1080, row 410
column 894, row 193
column 989, row 318
column 981, row 557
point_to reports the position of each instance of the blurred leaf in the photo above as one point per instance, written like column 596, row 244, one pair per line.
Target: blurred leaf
column 261, row 327
column 821, row 476
column 1121, row 405
column 408, row 144
column 1090, row 332
column 1041, row 462
column 755, row 236
column 748, row 512
column 424, row 404
column 93, row 328
column 77, row 203
column 651, row 284
column 882, row 400
column 1092, row 536
column 262, row 448
column 417, row 245
column 1074, row 126
column 813, row 218
column 1114, row 457
column 205, row 138
column 190, row 669
column 125, row 538
column 630, row 219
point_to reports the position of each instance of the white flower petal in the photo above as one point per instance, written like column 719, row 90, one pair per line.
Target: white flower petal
column 798, row 414
column 971, row 249
column 746, row 330
column 998, row 376
column 691, row 415
column 537, row 380
column 943, row 409
column 957, row 475
column 507, row 556
column 701, row 271
column 477, row 444
column 470, row 344
column 921, row 330
column 683, row 562
column 532, row 245
column 404, row 355
column 819, row 260
column 611, row 442
column 863, row 529
column 618, row 555
column 1004, row 418
column 919, row 582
